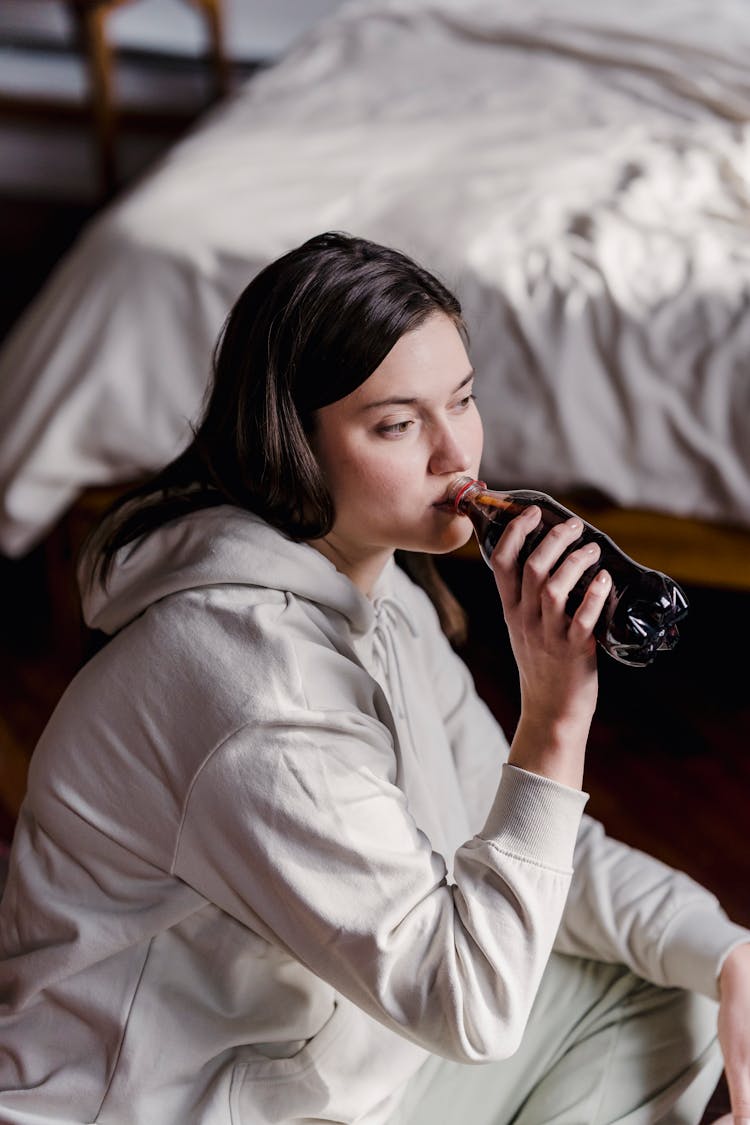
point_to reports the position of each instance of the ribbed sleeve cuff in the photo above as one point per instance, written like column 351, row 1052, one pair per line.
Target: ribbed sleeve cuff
column 535, row 818
column 695, row 946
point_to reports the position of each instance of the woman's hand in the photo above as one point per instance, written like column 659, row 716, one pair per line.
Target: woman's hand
column 555, row 654
column 734, row 1029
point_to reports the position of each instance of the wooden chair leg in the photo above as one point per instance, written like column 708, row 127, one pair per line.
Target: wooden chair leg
column 214, row 17
column 90, row 21
column 91, row 27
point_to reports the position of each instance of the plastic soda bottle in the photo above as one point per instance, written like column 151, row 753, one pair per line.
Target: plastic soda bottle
column 640, row 616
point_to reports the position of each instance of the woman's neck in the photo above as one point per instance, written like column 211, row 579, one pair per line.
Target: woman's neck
column 361, row 568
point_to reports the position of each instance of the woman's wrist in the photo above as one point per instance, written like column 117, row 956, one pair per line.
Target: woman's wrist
column 553, row 750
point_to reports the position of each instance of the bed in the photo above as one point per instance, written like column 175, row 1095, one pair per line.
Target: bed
column 578, row 171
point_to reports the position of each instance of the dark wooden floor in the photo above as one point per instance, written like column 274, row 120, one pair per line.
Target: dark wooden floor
column 668, row 768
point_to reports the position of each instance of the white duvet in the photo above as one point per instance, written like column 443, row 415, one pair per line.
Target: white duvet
column 578, row 173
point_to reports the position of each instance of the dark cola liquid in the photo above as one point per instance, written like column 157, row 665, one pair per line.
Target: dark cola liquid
column 644, row 606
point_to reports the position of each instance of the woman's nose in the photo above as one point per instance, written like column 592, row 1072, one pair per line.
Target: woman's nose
column 449, row 454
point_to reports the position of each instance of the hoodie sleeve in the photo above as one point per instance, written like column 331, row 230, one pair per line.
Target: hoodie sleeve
column 624, row 906
column 299, row 830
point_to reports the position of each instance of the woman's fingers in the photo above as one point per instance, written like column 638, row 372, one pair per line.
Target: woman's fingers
column 505, row 555
column 555, row 654
column 536, row 571
column 590, row 609
column 541, row 588
column 556, row 588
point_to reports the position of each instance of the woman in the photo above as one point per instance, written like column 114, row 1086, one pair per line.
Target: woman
column 277, row 862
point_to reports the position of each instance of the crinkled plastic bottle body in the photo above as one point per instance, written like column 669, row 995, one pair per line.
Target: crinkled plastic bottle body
column 641, row 615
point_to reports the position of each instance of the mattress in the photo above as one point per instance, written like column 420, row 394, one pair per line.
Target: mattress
column 577, row 171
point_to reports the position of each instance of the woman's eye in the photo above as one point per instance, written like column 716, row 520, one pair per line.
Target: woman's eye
column 397, row 428
column 465, row 402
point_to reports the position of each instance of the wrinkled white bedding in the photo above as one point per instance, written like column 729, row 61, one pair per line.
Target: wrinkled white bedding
column 577, row 170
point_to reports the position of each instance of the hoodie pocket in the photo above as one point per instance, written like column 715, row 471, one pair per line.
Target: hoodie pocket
column 267, row 1091
column 341, row 1075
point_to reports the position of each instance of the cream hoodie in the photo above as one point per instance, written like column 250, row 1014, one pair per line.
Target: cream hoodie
column 270, row 856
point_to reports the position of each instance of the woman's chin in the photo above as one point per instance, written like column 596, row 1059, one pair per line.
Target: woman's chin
column 452, row 537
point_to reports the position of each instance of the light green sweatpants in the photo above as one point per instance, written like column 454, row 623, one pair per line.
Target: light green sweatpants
column 601, row 1047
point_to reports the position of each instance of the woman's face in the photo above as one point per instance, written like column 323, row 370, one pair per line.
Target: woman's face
column 390, row 450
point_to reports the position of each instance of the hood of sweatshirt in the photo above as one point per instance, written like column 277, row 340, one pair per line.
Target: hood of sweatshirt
column 219, row 546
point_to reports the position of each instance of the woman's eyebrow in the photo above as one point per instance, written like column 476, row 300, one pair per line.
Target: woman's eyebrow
column 397, row 400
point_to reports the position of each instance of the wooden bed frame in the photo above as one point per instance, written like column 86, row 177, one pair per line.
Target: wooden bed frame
column 694, row 552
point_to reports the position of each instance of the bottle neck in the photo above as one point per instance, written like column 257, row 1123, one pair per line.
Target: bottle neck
column 463, row 489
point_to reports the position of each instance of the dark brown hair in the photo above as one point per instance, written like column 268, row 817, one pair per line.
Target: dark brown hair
column 306, row 331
